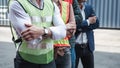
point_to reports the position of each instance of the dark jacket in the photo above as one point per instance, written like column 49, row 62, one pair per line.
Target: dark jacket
column 77, row 13
column 82, row 26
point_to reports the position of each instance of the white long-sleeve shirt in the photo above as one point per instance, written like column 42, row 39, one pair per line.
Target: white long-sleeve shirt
column 82, row 37
column 18, row 15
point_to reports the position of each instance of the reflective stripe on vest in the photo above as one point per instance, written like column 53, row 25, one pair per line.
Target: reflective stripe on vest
column 65, row 11
column 65, row 16
column 40, row 18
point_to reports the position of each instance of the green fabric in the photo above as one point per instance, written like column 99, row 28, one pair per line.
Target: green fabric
column 42, row 57
column 64, row 17
column 38, row 55
column 62, row 41
column 65, row 11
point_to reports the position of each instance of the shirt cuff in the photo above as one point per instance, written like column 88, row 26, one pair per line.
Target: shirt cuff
column 88, row 22
column 58, row 33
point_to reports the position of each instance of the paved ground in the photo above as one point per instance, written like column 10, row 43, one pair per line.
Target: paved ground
column 107, row 53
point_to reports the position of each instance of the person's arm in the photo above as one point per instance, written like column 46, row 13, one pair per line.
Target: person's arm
column 18, row 16
column 91, row 22
column 22, row 23
column 71, row 25
column 59, row 28
column 71, row 17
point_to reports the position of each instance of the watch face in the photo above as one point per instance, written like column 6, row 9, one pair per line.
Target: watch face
column 46, row 31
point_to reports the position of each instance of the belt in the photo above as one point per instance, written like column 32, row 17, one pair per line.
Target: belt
column 85, row 45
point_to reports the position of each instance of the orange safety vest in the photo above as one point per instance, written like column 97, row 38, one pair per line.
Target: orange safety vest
column 65, row 11
column 70, row 1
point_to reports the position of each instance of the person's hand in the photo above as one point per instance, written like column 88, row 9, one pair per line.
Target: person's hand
column 32, row 32
column 71, row 26
column 92, row 19
column 61, row 51
column 70, row 33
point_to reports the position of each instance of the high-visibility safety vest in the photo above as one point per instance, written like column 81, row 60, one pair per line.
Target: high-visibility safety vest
column 65, row 6
column 41, row 18
column 70, row 1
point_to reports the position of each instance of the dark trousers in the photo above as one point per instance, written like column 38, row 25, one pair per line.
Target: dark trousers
column 86, row 56
column 73, row 56
column 64, row 61
column 20, row 63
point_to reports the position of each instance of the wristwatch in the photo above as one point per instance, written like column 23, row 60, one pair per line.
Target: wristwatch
column 45, row 32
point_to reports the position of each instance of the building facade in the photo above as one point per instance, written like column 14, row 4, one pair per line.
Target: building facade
column 108, row 12
column 4, row 21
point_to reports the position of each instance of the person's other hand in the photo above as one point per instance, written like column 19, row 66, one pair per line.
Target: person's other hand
column 32, row 32
column 71, row 26
column 92, row 20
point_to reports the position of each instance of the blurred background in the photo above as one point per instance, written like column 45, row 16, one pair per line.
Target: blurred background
column 107, row 37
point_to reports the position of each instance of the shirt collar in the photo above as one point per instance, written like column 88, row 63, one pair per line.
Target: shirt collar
column 35, row 3
column 83, row 6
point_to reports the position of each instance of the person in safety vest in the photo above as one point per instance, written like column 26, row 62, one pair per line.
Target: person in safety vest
column 62, row 47
column 72, row 39
column 37, row 23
